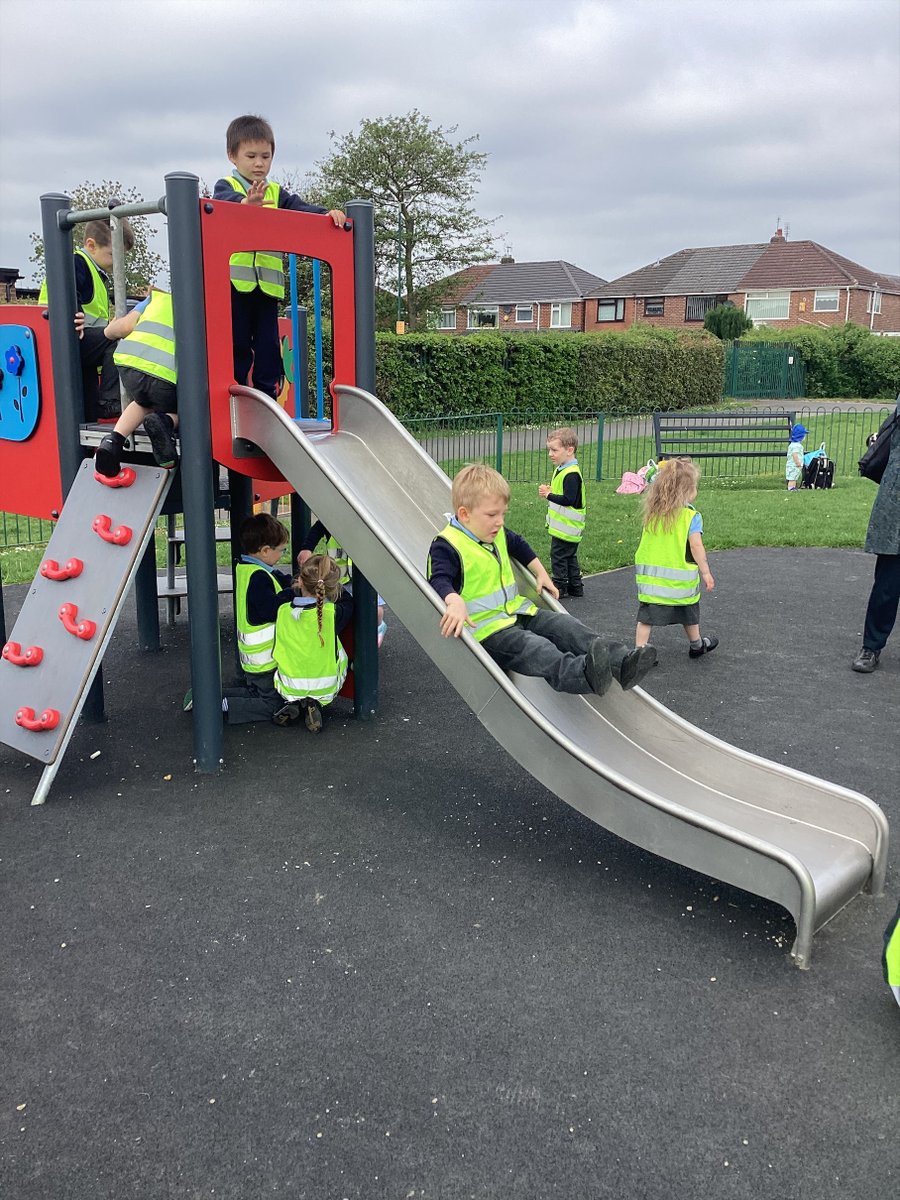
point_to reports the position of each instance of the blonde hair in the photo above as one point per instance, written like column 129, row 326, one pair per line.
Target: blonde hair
column 320, row 576
column 473, row 483
column 674, row 485
column 565, row 436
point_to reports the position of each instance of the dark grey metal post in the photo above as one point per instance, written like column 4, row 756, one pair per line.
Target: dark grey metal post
column 147, row 600
column 240, row 495
column 365, row 619
column 67, row 386
column 300, row 518
column 68, row 391
column 186, row 267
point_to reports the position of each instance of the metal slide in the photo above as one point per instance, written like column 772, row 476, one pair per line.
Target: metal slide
column 625, row 761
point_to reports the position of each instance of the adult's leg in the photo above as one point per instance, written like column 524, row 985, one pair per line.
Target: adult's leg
column 881, row 612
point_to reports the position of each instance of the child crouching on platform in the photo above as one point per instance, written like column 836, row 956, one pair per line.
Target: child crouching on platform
column 470, row 568
column 311, row 664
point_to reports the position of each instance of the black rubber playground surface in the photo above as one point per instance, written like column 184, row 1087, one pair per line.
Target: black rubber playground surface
column 388, row 964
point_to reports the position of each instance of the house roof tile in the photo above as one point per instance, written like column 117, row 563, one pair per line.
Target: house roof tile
column 809, row 265
column 527, row 283
column 697, row 271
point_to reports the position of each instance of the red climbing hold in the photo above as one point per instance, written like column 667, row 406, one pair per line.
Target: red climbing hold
column 12, row 652
column 102, row 526
column 125, row 478
column 83, row 628
column 50, row 569
column 49, row 719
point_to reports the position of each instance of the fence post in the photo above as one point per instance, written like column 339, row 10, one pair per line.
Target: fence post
column 498, row 452
column 601, row 421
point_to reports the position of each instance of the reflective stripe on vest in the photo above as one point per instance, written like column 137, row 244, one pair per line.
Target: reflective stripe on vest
column 563, row 521
column 892, row 956
column 334, row 550
column 96, row 311
column 263, row 269
column 663, row 573
column 490, row 608
column 304, row 666
column 256, row 643
column 150, row 347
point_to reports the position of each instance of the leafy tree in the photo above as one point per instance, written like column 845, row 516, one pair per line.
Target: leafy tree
column 143, row 265
column 727, row 322
column 422, row 183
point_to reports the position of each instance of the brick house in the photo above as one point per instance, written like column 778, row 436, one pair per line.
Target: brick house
column 521, row 297
column 777, row 283
column 8, row 278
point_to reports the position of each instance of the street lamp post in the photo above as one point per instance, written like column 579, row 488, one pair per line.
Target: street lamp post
column 401, row 326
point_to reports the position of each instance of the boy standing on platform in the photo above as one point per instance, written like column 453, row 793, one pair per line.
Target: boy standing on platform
column 565, row 511
column 257, row 277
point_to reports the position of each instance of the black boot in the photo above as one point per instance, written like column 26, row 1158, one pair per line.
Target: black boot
column 108, row 459
column 597, row 669
column 160, row 429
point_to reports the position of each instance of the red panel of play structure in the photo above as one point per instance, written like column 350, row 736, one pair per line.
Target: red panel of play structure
column 29, row 470
column 227, row 229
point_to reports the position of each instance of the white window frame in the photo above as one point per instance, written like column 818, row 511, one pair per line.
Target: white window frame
column 443, row 321
column 618, row 311
column 556, row 314
column 876, row 297
column 476, row 309
column 827, row 300
column 524, row 308
column 772, row 297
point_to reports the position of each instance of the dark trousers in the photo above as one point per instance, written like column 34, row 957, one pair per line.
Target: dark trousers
column 101, row 393
column 257, row 346
column 883, row 600
column 257, row 700
column 564, row 566
column 551, row 645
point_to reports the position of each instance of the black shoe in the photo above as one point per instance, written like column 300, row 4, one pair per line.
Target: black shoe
column 635, row 665
column 597, row 669
column 108, row 459
column 313, row 717
column 287, row 713
column 866, row 661
column 576, row 593
column 707, row 645
column 160, row 429
column 562, row 588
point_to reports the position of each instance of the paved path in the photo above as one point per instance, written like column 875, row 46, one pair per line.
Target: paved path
column 388, row 964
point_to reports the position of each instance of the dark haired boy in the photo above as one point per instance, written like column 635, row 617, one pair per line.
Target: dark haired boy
column 93, row 261
column 257, row 278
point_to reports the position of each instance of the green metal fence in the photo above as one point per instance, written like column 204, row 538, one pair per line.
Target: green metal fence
column 764, row 370
column 516, row 445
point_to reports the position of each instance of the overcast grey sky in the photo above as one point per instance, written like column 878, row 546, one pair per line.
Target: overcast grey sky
column 617, row 131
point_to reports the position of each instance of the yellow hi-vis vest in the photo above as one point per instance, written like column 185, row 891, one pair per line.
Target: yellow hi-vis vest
column 489, row 585
column 563, row 521
column 662, row 569
column 150, row 347
column 256, row 643
column 891, row 956
column 96, row 311
column 263, row 269
column 305, row 667
column 336, row 551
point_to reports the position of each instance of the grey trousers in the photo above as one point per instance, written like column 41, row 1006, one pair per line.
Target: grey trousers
column 553, row 646
column 257, row 700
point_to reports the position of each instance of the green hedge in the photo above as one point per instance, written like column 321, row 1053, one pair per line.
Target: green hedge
column 639, row 370
column 843, row 360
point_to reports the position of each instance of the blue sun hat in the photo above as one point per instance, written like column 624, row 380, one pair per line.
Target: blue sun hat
column 798, row 433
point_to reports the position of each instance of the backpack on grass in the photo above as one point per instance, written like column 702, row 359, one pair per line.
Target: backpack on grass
column 818, row 472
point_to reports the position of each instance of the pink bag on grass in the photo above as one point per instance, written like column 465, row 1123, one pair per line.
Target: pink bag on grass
column 632, row 483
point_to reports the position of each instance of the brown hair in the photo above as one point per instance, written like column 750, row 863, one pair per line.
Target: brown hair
column 260, row 530
column 101, row 232
column 673, row 486
column 320, row 576
column 249, row 128
column 473, row 483
column 565, row 436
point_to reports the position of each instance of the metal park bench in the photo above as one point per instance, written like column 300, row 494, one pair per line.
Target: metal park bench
column 722, row 435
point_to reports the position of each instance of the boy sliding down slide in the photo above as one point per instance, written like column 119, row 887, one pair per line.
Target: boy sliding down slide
column 470, row 568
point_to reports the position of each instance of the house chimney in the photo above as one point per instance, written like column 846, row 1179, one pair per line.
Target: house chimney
column 507, row 258
column 779, row 237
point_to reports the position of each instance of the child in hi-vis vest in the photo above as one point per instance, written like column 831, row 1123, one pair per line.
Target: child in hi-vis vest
column 671, row 560
column 565, row 511
column 310, row 662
